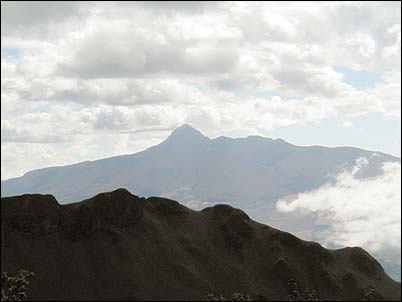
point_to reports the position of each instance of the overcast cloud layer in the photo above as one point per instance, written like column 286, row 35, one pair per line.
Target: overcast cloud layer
column 87, row 80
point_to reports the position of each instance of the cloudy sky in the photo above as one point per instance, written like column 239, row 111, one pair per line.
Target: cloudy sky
column 88, row 80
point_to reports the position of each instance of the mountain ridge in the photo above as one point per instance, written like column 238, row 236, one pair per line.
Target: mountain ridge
column 222, row 137
column 250, row 173
column 125, row 247
column 264, row 156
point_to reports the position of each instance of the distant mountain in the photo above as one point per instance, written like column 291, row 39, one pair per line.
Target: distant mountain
column 190, row 167
column 250, row 173
column 117, row 246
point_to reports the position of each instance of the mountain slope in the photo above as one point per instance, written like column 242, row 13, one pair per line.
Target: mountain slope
column 188, row 166
column 117, row 246
column 249, row 173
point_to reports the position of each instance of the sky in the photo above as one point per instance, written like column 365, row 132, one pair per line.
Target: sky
column 88, row 80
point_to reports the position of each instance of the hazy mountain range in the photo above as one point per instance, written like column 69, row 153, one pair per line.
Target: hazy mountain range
column 250, row 173
column 117, row 246
column 191, row 167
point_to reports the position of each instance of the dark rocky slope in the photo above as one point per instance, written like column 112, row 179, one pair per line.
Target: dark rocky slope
column 117, row 246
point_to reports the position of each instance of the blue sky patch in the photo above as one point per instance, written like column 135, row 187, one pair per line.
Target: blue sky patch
column 359, row 79
column 365, row 132
column 10, row 53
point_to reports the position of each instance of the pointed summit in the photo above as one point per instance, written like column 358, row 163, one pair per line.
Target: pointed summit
column 187, row 129
column 186, row 133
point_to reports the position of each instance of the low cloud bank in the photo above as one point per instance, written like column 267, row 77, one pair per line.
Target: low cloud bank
column 362, row 212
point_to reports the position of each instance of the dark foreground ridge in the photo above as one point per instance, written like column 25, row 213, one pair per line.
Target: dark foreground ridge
column 117, row 246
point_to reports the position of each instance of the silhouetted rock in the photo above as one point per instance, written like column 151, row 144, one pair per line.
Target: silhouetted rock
column 251, row 173
column 117, row 246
